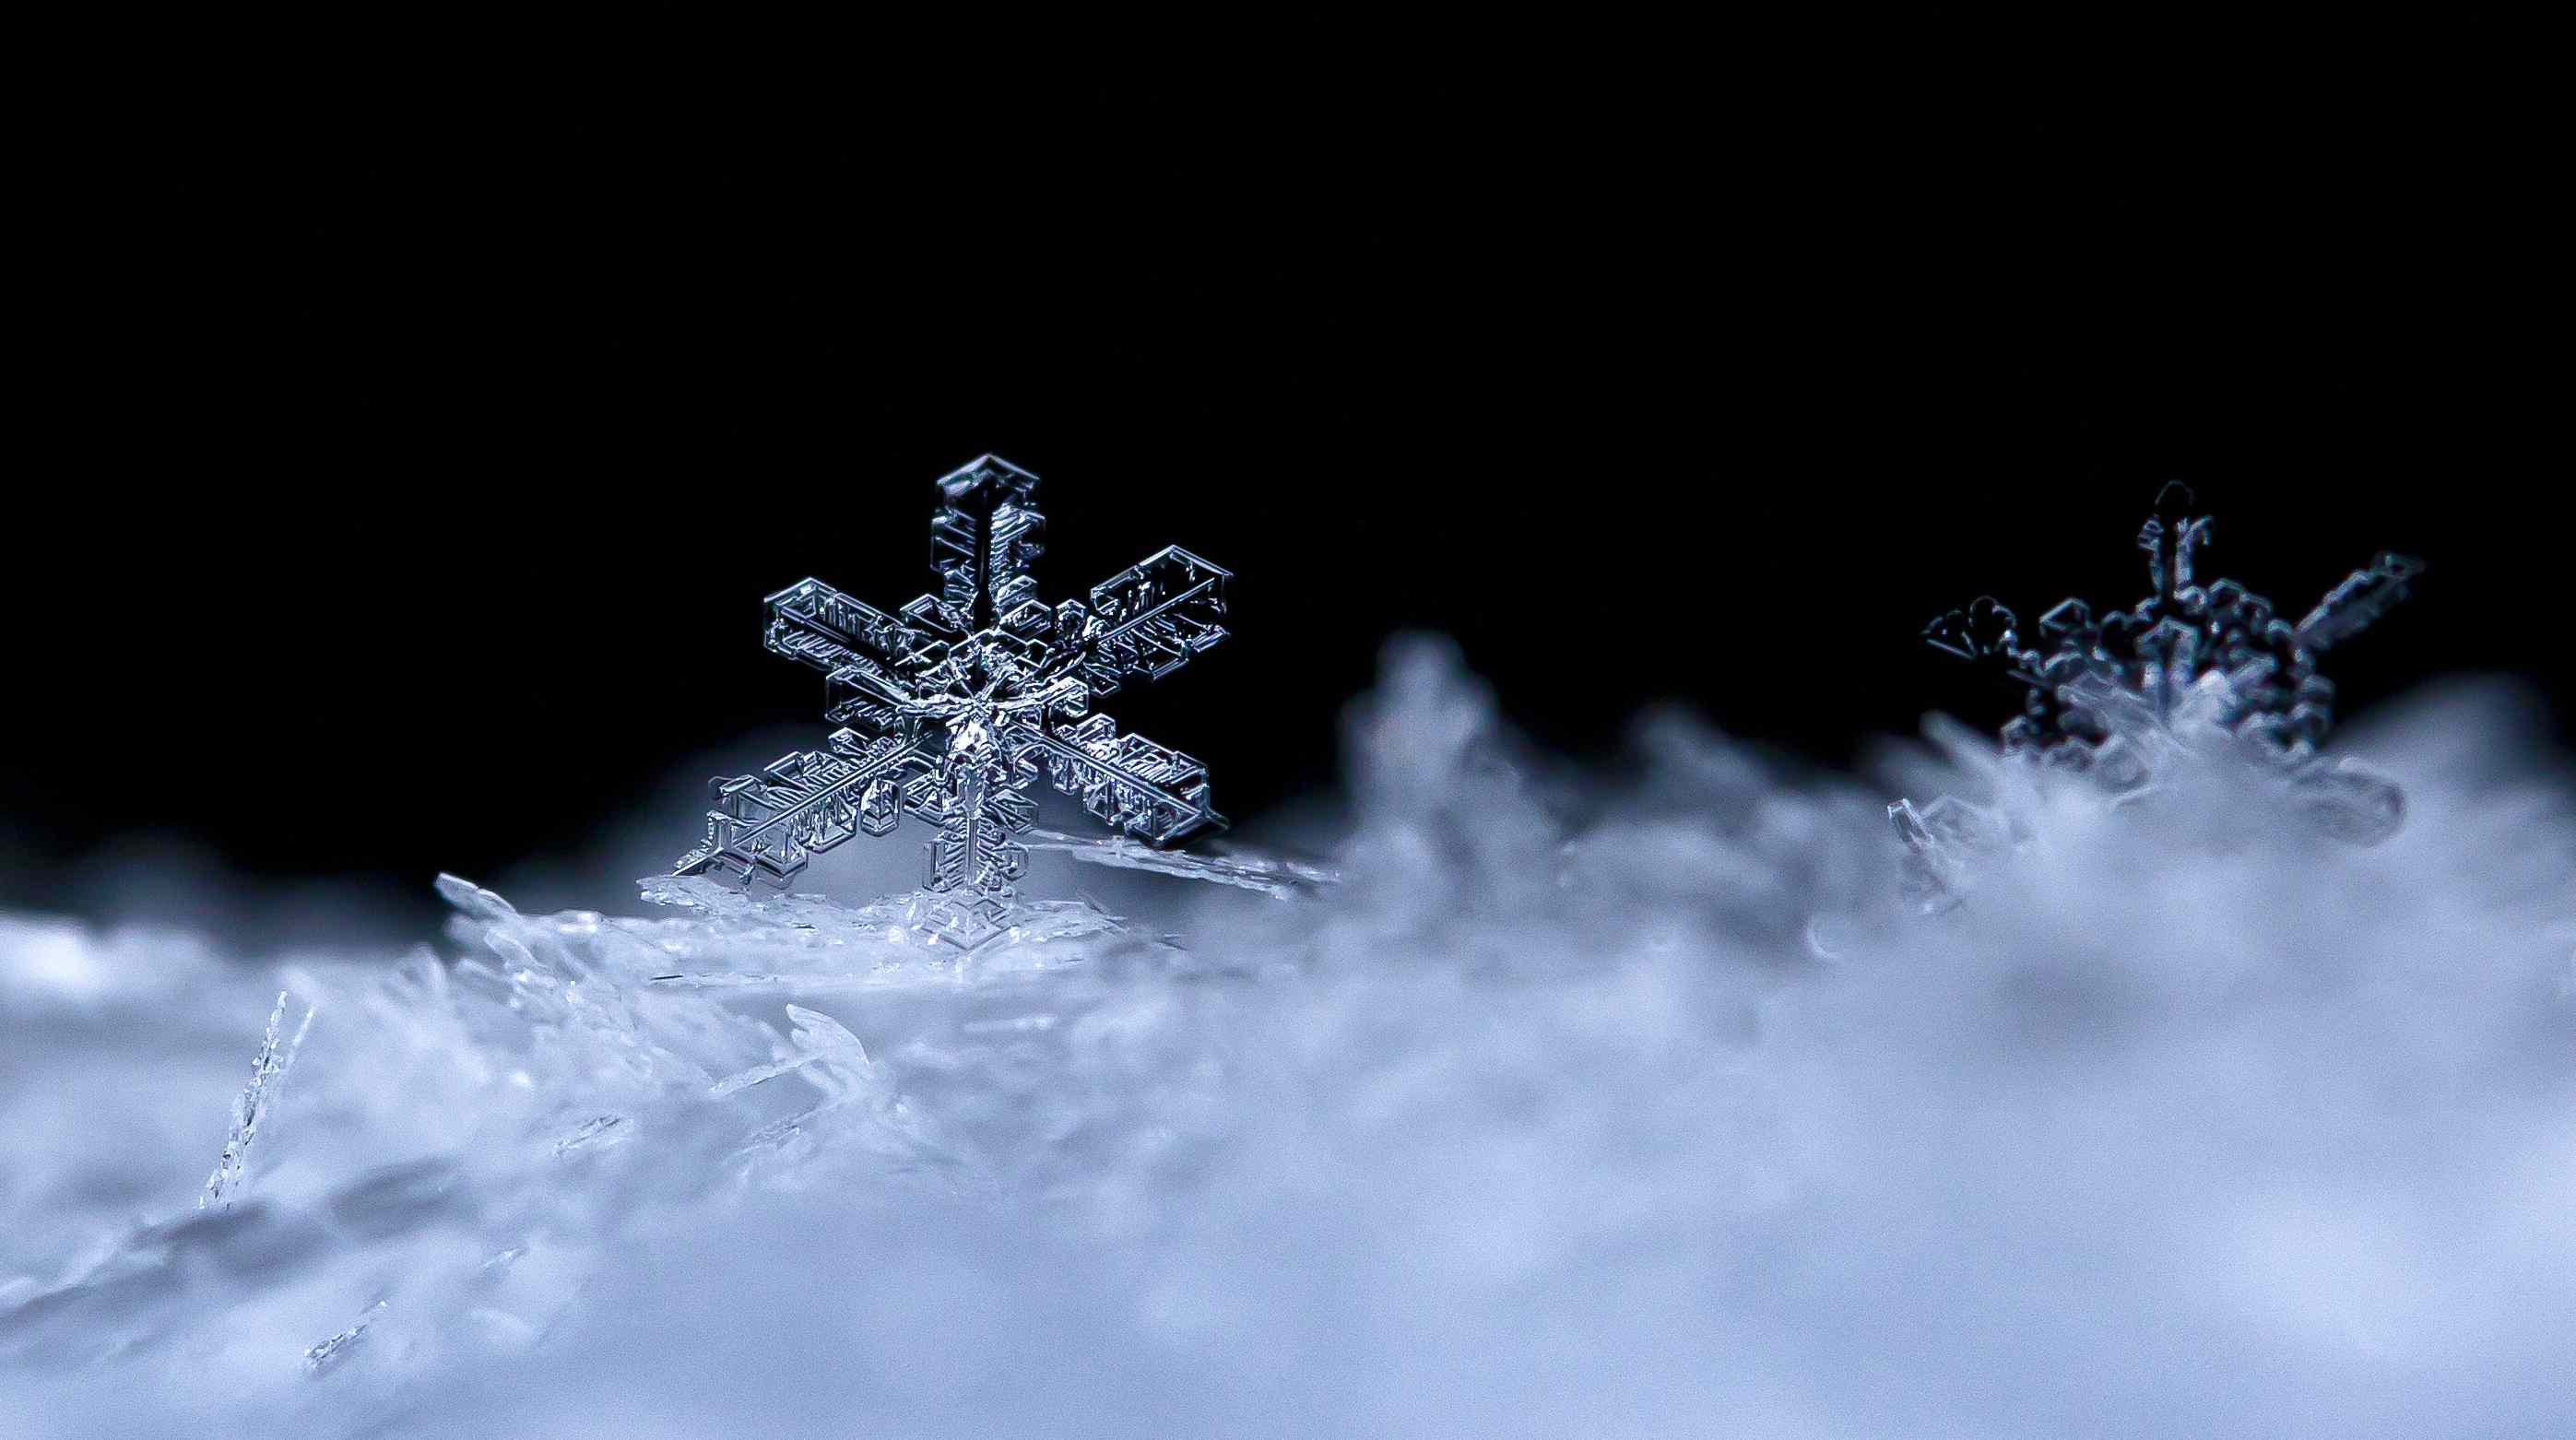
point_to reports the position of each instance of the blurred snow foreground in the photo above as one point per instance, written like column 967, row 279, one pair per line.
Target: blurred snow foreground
column 1632, row 1105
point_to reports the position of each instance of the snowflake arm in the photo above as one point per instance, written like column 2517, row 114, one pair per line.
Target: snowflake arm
column 2358, row 602
column 1127, row 782
column 765, row 827
column 984, row 538
column 1148, row 620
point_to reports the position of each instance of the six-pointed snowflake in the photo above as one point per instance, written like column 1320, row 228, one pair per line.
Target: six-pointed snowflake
column 953, row 705
column 2119, row 697
column 2090, row 684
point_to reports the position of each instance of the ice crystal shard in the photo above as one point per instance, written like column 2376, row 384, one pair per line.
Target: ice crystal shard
column 602, row 1130
column 258, row 1098
column 2116, row 697
column 1941, row 840
column 842, row 1064
column 953, row 706
column 1276, row 877
column 321, row 1358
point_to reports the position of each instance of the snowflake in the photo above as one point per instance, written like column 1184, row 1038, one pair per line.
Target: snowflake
column 952, row 706
column 2122, row 697
column 2221, row 647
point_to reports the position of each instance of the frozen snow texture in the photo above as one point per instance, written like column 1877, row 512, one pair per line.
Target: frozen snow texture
column 1582, row 1107
column 953, row 706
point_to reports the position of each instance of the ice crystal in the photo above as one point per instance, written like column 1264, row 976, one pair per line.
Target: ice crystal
column 321, row 1358
column 819, row 1040
column 809, row 944
column 258, row 1098
column 2121, row 697
column 1275, row 876
column 2092, row 685
column 597, row 1131
column 952, row 706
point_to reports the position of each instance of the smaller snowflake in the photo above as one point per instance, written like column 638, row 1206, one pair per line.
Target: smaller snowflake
column 2185, row 652
column 2121, row 697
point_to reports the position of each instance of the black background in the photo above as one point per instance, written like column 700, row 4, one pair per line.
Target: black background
column 400, row 477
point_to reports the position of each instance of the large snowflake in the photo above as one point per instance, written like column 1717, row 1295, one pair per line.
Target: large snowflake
column 952, row 706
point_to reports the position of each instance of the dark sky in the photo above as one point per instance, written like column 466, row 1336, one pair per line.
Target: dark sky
column 403, row 478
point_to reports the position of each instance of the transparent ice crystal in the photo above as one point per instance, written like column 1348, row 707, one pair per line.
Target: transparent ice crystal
column 257, row 1101
column 2191, row 670
column 1275, row 876
column 321, row 1358
column 954, row 705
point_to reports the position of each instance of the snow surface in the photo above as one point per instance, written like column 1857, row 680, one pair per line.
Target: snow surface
column 1632, row 1103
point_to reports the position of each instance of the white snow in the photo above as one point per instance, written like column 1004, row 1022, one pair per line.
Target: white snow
column 1636, row 1103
